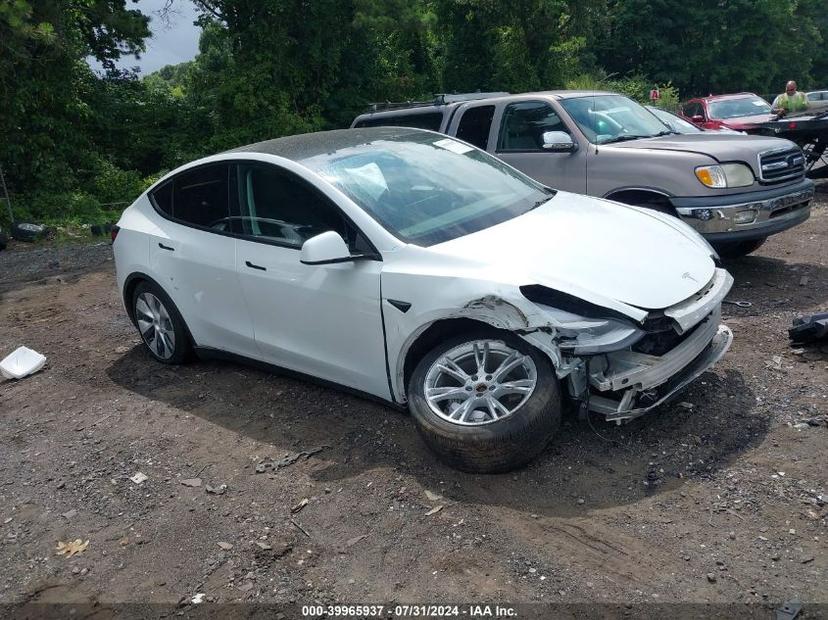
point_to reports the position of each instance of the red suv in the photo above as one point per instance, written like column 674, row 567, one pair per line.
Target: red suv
column 738, row 111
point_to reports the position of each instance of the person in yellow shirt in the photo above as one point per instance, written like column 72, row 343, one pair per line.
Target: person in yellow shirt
column 790, row 101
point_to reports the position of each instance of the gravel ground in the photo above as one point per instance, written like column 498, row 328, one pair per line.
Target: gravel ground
column 717, row 499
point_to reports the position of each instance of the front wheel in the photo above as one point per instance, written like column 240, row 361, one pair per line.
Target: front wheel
column 738, row 249
column 486, row 402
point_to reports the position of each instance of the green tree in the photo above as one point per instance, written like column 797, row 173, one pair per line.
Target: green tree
column 46, row 87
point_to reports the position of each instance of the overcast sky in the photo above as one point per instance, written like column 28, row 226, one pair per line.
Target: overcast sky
column 171, row 43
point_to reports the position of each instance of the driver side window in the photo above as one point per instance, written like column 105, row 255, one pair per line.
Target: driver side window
column 525, row 123
column 278, row 207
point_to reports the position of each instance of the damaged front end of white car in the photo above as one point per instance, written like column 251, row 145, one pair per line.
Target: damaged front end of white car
column 621, row 368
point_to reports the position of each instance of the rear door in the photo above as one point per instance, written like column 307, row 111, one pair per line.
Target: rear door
column 473, row 123
column 520, row 126
column 322, row 320
column 194, row 256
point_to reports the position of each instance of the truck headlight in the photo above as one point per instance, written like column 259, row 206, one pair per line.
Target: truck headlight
column 722, row 176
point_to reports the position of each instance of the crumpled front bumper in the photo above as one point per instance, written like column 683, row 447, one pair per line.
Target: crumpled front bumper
column 648, row 381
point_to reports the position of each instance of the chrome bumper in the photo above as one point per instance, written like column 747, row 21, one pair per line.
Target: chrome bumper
column 773, row 214
column 646, row 381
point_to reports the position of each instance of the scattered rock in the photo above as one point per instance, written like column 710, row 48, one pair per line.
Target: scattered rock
column 219, row 490
column 711, row 577
column 191, row 482
column 434, row 511
column 138, row 477
column 225, row 545
column 300, row 505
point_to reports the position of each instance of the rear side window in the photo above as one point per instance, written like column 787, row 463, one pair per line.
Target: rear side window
column 431, row 120
column 200, row 197
column 525, row 123
column 475, row 125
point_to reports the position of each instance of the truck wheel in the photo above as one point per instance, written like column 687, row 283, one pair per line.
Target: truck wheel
column 485, row 402
column 737, row 249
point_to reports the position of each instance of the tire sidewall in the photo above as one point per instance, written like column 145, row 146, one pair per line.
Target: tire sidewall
column 517, row 438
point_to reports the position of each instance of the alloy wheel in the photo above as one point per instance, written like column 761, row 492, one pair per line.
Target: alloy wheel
column 479, row 382
column 155, row 325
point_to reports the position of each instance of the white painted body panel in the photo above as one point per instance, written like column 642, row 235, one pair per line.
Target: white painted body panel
column 322, row 320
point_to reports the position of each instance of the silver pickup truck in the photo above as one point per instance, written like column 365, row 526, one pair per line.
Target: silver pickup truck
column 735, row 190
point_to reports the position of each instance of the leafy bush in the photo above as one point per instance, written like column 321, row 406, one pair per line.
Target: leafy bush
column 635, row 87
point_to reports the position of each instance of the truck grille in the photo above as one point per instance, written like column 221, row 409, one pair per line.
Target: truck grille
column 781, row 165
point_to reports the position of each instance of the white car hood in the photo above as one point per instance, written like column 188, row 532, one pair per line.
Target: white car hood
column 593, row 249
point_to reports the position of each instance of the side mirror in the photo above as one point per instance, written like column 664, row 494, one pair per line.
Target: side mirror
column 324, row 249
column 697, row 118
column 558, row 142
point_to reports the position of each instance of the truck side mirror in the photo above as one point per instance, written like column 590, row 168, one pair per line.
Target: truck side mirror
column 558, row 142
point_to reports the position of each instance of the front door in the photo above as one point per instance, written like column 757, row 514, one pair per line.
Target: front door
column 520, row 144
column 322, row 320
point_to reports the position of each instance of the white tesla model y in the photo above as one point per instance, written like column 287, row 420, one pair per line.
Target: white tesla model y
column 420, row 270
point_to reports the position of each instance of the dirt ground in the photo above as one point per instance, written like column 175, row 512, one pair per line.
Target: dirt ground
column 719, row 498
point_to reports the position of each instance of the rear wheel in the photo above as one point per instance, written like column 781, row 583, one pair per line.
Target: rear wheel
column 738, row 249
column 160, row 324
column 486, row 402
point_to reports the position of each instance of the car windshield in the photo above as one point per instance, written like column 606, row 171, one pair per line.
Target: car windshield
column 612, row 118
column 679, row 125
column 426, row 189
column 733, row 108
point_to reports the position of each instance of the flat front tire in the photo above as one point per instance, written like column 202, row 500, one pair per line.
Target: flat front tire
column 160, row 325
column 485, row 402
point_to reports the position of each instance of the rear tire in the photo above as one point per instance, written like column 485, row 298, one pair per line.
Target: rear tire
column 485, row 443
column 738, row 249
column 160, row 325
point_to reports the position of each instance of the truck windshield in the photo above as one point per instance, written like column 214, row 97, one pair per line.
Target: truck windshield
column 612, row 118
column 426, row 189
column 733, row 108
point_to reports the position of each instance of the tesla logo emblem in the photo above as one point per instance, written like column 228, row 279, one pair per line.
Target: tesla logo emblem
column 686, row 276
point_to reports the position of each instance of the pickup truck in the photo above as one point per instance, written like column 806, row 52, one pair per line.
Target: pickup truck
column 735, row 190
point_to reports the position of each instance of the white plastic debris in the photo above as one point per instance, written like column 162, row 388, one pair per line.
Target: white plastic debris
column 21, row 362
column 139, row 477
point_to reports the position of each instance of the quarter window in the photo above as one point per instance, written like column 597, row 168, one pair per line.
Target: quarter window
column 162, row 197
column 279, row 207
column 524, row 124
column 475, row 125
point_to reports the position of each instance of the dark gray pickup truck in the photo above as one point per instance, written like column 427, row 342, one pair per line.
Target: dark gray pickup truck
column 735, row 190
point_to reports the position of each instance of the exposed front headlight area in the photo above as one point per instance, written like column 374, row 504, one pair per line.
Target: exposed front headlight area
column 583, row 328
column 723, row 176
column 621, row 368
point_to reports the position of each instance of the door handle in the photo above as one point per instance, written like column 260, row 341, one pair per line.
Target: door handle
column 252, row 266
column 166, row 247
